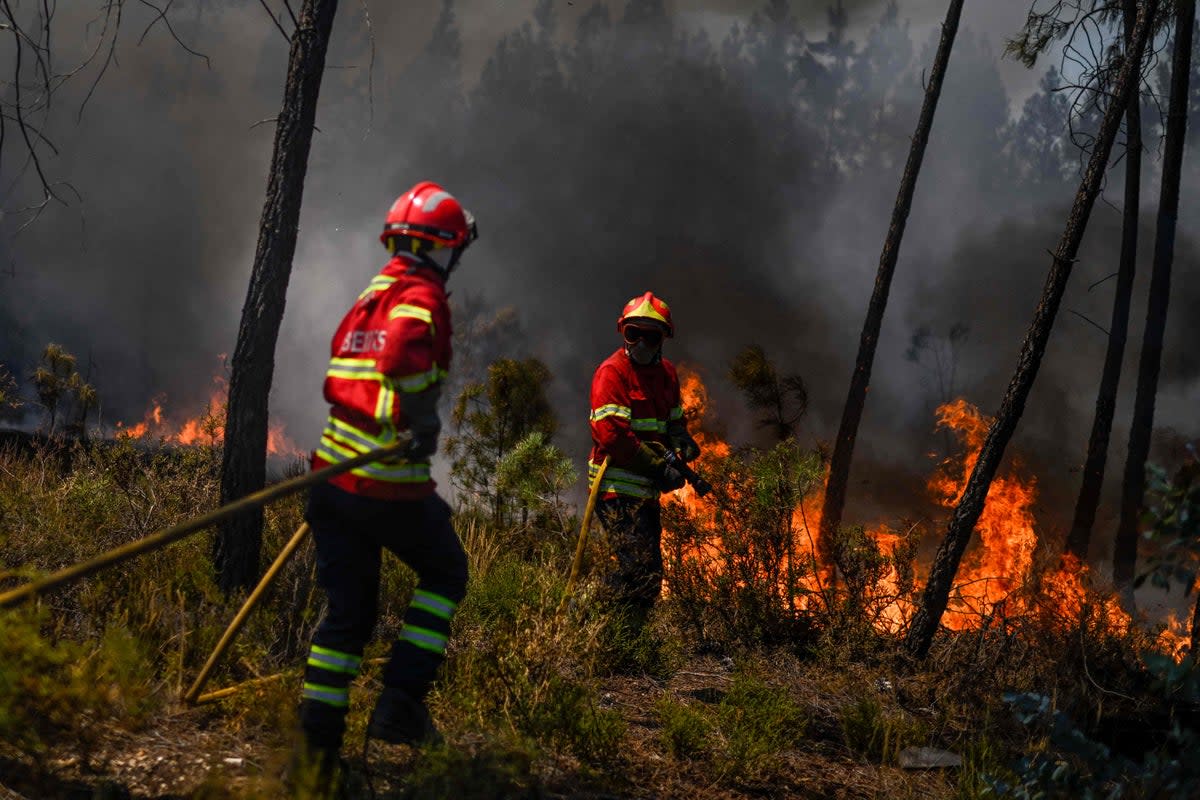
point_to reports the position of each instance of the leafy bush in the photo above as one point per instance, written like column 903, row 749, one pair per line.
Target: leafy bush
column 500, row 768
column 878, row 733
column 738, row 566
column 758, row 722
column 1075, row 765
column 685, row 732
column 518, row 668
column 63, row 691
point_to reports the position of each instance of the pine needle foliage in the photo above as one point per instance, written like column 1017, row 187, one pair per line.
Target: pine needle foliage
column 490, row 420
column 782, row 399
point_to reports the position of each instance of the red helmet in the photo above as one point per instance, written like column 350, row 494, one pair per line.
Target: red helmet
column 429, row 212
column 647, row 307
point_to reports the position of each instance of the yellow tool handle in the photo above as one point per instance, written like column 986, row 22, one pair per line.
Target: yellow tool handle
column 577, row 562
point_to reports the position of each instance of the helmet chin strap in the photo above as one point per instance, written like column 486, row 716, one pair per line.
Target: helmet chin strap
column 431, row 263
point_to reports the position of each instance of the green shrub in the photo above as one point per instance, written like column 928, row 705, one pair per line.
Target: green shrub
column 502, row 595
column 516, row 667
column 685, row 731
column 63, row 691
column 758, row 722
column 739, row 563
column 500, row 768
column 632, row 647
column 878, row 733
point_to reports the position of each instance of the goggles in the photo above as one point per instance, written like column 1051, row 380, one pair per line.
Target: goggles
column 634, row 334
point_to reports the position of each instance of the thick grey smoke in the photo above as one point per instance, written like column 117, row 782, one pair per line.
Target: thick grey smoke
column 605, row 150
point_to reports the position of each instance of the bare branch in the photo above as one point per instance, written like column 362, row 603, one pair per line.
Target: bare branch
column 1102, row 280
column 112, row 49
column 291, row 13
column 274, row 119
column 37, row 163
column 275, row 19
column 37, row 132
column 1090, row 322
column 162, row 15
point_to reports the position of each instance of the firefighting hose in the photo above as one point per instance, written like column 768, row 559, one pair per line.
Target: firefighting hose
column 174, row 533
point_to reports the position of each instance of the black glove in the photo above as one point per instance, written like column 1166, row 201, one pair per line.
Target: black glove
column 670, row 479
column 649, row 460
column 682, row 442
column 420, row 409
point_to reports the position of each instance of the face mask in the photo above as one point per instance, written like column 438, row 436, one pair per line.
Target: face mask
column 440, row 256
column 642, row 353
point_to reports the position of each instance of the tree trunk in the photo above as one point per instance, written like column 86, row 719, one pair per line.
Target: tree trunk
column 1133, row 485
column 843, row 450
column 966, row 514
column 1080, row 536
column 243, row 470
column 1195, row 639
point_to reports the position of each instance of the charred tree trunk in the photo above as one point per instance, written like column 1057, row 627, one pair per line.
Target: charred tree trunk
column 1195, row 640
column 1080, row 536
column 966, row 514
column 1133, row 485
column 243, row 469
column 843, row 450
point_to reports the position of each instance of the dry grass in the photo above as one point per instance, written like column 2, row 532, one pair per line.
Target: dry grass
column 532, row 704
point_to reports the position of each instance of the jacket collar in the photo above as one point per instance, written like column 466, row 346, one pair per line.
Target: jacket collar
column 408, row 264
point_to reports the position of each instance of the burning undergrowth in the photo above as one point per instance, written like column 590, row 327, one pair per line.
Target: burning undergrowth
column 193, row 424
column 742, row 562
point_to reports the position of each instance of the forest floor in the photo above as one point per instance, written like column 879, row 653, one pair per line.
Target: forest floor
column 195, row 753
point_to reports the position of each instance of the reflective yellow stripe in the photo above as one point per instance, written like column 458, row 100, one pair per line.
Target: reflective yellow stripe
column 348, row 434
column 424, row 638
column 354, row 369
column 333, row 451
column 421, row 380
column 400, row 472
column 629, row 489
column 621, row 475
column 383, row 403
column 611, row 410
column 433, row 603
column 377, row 284
column 648, row 424
column 339, row 439
column 676, row 413
column 403, row 472
column 334, row 660
column 413, row 312
column 331, row 695
column 349, row 441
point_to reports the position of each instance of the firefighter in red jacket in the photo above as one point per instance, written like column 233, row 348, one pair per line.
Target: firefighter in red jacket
column 636, row 415
column 389, row 358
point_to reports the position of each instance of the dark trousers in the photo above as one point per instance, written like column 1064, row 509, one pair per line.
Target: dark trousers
column 634, row 529
column 351, row 533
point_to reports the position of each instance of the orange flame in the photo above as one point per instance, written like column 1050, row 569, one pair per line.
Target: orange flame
column 799, row 557
column 202, row 427
column 997, row 573
column 1000, row 565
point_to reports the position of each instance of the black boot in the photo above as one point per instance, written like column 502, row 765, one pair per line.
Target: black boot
column 400, row 718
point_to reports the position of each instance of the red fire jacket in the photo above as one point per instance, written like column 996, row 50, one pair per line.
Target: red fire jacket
column 631, row 404
column 395, row 338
